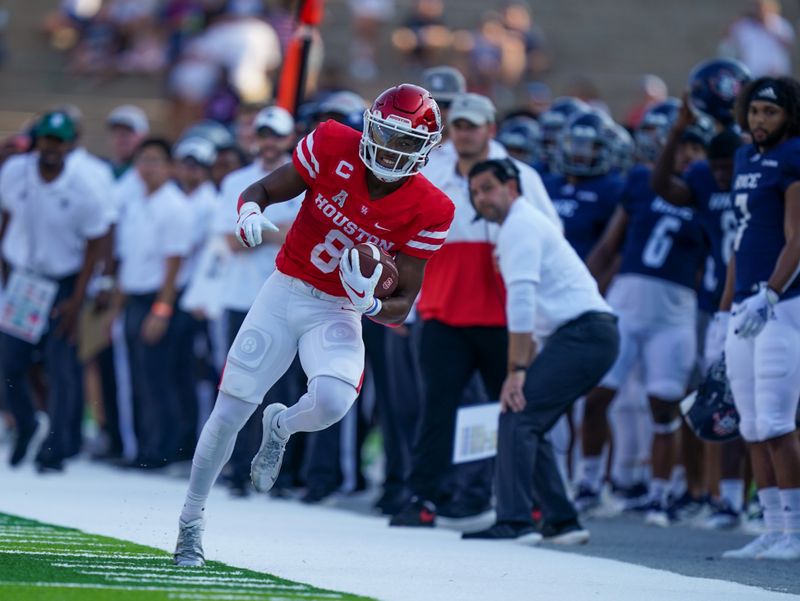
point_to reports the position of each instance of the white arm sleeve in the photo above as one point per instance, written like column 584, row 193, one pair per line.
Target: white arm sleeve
column 521, row 306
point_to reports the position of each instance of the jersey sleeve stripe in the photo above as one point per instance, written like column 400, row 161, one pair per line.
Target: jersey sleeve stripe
column 430, row 234
column 304, row 160
column 422, row 246
column 310, row 145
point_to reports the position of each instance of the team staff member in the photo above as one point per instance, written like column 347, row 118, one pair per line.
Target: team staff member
column 462, row 307
column 550, row 296
column 249, row 268
column 154, row 236
column 762, row 346
column 52, row 225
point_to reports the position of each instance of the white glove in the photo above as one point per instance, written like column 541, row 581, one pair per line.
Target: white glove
column 360, row 290
column 715, row 336
column 250, row 223
column 750, row 317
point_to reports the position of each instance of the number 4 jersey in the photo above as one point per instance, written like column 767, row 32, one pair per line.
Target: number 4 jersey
column 338, row 213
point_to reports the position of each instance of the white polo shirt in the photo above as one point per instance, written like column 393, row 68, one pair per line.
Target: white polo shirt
column 50, row 221
column 203, row 205
column 98, row 174
column 530, row 248
column 152, row 229
column 249, row 269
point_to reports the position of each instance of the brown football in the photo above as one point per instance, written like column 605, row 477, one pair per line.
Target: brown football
column 370, row 255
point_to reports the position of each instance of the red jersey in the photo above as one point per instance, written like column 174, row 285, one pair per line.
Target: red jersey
column 337, row 212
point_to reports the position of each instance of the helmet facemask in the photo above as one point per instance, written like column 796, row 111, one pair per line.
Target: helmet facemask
column 583, row 152
column 391, row 149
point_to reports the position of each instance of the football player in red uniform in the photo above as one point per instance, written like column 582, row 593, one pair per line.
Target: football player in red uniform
column 358, row 188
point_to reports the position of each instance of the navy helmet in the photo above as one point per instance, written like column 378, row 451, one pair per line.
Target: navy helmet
column 623, row 148
column 709, row 411
column 585, row 146
column 520, row 135
column 652, row 132
column 714, row 85
column 553, row 120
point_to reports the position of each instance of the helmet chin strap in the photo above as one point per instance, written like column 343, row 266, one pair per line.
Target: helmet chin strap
column 386, row 178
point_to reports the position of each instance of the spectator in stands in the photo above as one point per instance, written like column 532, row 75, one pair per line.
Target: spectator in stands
column 61, row 243
column 369, row 17
column 519, row 23
column 762, row 39
column 652, row 90
column 423, row 36
column 243, row 50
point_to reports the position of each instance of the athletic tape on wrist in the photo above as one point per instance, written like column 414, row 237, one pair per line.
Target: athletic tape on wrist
column 375, row 308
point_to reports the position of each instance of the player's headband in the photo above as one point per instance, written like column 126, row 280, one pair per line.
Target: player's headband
column 770, row 90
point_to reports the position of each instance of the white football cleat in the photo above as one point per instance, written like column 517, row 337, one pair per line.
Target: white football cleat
column 266, row 464
column 189, row 548
column 787, row 548
column 755, row 547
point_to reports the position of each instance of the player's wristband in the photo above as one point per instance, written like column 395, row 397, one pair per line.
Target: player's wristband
column 161, row 309
column 515, row 367
column 374, row 308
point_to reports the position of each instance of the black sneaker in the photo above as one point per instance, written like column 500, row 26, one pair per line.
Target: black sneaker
column 519, row 531
column 565, row 533
column 415, row 514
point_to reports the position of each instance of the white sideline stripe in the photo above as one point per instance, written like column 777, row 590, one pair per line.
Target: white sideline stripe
column 79, row 554
column 430, row 234
column 223, row 596
column 421, row 246
column 117, row 566
column 304, row 161
column 64, row 543
column 185, row 591
column 32, row 535
column 216, row 581
column 310, row 145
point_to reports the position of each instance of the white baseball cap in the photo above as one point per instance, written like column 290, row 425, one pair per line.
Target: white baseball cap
column 199, row 149
column 129, row 116
column 476, row 109
column 275, row 118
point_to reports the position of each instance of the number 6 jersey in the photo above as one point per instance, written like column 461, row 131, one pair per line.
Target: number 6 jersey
column 337, row 212
column 663, row 241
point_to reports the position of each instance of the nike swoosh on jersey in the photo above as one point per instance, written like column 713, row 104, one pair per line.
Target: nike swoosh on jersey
column 380, row 227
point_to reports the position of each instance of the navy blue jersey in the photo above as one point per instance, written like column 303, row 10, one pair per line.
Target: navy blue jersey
column 662, row 241
column 759, row 184
column 715, row 210
column 585, row 208
column 542, row 168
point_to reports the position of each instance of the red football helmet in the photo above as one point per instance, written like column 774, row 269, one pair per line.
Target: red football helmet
column 400, row 129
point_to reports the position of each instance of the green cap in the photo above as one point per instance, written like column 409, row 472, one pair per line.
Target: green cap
column 57, row 125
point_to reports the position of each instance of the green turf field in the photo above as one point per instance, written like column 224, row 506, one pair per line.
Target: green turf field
column 41, row 562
